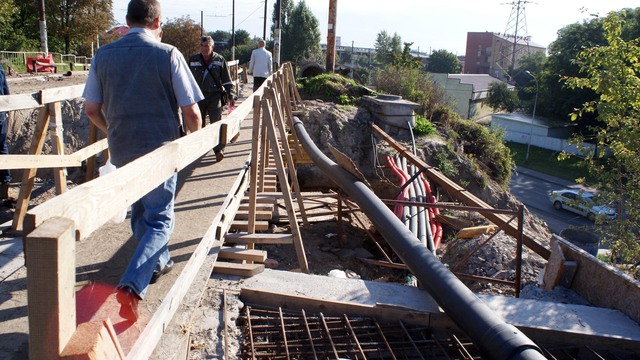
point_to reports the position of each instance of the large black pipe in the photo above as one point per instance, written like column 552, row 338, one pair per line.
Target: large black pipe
column 495, row 338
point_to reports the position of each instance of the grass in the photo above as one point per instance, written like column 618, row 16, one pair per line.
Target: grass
column 546, row 161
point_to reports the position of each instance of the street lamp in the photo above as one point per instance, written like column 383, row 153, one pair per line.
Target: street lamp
column 533, row 117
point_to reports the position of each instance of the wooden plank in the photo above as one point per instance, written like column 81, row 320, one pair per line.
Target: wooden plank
column 90, row 150
column 39, row 161
column 245, row 238
column 20, row 102
column 259, row 207
column 60, row 94
column 243, row 225
column 259, row 215
column 242, row 254
column 94, row 340
column 51, row 287
column 235, row 269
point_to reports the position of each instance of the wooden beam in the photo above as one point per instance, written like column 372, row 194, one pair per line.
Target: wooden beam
column 245, row 238
column 255, row 157
column 235, row 269
column 284, row 185
column 242, row 254
column 61, row 94
column 243, row 225
column 19, row 102
column 51, row 287
column 57, row 140
column 94, row 340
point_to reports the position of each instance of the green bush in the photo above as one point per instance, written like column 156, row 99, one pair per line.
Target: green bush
column 423, row 127
column 332, row 87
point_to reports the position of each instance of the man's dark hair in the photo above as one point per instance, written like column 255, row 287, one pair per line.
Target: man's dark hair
column 143, row 12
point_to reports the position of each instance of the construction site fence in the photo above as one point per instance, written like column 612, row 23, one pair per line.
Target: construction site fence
column 19, row 58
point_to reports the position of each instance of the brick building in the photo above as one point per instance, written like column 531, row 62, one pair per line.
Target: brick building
column 492, row 53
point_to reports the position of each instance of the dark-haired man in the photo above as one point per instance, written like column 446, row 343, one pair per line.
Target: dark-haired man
column 135, row 88
column 212, row 75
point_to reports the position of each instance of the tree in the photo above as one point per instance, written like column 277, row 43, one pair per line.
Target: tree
column 443, row 61
column 612, row 71
column 501, row 98
column 220, row 35
column 300, row 32
column 387, row 47
column 558, row 101
column 71, row 23
column 242, row 37
column 406, row 60
column 183, row 33
column 8, row 11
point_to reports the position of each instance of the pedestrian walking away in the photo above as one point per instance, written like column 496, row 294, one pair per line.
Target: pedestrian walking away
column 5, row 174
column 212, row 75
column 261, row 64
column 139, row 112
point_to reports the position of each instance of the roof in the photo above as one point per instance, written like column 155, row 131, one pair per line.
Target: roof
column 521, row 40
column 480, row 82
column 539, row 121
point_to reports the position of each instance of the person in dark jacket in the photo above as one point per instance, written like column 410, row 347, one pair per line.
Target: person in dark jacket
column 5, row 175
column 212, row 75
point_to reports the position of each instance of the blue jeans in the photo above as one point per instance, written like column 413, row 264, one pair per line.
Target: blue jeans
column 152, row 222
column 5, row 175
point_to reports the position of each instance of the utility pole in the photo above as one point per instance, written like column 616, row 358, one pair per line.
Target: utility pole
column 331, row 36
column 277, row 29
column 233, row 30
column 264, row 27
column 43, row 31
column 201, row 22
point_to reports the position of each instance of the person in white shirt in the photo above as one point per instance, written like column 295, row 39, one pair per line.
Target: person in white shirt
column 260, row 65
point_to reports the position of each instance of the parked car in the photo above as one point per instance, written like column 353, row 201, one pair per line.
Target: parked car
column 581, row 203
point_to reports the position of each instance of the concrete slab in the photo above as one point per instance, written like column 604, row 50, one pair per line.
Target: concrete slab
column 545, row 322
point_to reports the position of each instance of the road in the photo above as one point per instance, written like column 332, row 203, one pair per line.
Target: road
column 533, row 188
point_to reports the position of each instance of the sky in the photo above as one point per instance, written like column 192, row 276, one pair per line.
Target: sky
column 430, row 25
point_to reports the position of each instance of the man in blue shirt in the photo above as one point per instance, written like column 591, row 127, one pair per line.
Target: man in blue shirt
column 135, row 88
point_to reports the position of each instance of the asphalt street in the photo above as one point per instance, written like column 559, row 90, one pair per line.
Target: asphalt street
column 533, row 188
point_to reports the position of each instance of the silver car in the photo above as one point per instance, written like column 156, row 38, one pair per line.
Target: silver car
column 581, row 203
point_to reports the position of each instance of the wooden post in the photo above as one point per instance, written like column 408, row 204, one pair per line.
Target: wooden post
column 57, row 139
column 29, row 176
column 284, row 185
column 91, row 162
column 287, row 152
column 255, row 156
column 51, row 287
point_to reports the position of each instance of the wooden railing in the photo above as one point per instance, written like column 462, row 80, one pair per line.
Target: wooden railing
column 52, row 229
